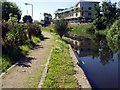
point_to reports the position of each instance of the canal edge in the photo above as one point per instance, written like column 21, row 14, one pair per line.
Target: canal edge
column 80, row 75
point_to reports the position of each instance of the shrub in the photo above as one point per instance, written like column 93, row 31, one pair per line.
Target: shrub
column 113, row 35
column 6, row 62
column 61, row 27
column 35, row 39
column 24, row 48
column 13, row 34
column 27, row 18
column 33, row 30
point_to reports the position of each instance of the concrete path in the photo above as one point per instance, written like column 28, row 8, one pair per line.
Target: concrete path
column 28, row 72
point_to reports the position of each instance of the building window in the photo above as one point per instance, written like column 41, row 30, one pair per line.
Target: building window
column 77, row 9
column 89, row 13
column 89, row 8
column 76, row 14
column 82, row 13
column 82, row 8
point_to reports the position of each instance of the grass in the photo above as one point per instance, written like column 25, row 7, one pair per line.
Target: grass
column 80, row 29
column 48, row 28
column 35, row 39
column 60, row 69
column 6, row 62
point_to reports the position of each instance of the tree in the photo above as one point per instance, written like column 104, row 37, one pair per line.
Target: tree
column 27, row 18
column 47, row 18
column 61, row 27
column 105, row 15
column 10, row 8
column 109, row 13
column 97, row 17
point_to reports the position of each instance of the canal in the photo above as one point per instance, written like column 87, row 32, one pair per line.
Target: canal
column 99, row 62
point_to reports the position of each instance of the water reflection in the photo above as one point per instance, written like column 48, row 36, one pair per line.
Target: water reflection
column 97, row 47
column 98, row 60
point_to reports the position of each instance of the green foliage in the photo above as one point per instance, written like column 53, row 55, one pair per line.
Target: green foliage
column 82, row 30
column 97, row 18
column 6, row 62
column 47, row 17
column 107, row 17
column 49, row 28
column 24, row 48
column 15, row 42
column 34, row 30
column 27, row 18
column 61, row 27
column 35, row 39
column 4, row 27
column 113, row 35
column 9, row 7
column 13, row 33
column 60, row 70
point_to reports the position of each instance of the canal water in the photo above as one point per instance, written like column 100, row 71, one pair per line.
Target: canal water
column 99, row 62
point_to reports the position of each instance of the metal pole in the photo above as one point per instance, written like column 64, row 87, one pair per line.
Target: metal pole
column 27, row 12
column 32, row 10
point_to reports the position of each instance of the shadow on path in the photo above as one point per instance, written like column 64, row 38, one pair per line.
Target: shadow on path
column 44, row 38
column 24, row 61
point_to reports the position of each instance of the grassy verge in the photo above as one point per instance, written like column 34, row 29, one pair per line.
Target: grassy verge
column 48, row 28
column 60, row 69
column 80, row 29
column 12, row 54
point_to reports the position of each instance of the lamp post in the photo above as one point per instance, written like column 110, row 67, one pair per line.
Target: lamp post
column 40, row 16
column 31, row 6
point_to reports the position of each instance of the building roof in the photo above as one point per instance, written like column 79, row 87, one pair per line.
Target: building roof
column 92, row 1
column 68, row 9
column 89, row 1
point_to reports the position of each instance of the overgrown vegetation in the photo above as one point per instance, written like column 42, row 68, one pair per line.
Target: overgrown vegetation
column 109, row 14
column 113, row 35
column 17, row 40
column 107, row 23
column 9, row 7
column 60, row 70
column 61, row 27
column 81, row 29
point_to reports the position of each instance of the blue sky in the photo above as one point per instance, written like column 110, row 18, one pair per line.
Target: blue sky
column 41, row 6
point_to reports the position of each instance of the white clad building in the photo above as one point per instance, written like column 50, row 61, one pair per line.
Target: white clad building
column 83, row 11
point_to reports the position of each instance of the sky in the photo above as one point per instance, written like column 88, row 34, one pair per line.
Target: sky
column 48, row 6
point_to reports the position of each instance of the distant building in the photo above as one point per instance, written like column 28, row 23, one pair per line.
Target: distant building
column 83, row 11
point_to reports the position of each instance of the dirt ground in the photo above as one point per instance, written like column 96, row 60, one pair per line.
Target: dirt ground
column 27, row 73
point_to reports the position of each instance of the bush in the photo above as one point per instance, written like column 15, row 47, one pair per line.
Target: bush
column 61, row 27
column 33, row 30
column 13, row 33
column 35, row 39
column 27, row 18
column 6, row 62
column 113, row 35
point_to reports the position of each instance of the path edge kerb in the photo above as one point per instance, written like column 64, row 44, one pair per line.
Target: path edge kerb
column 3, row 73
column 80, row 75
column 42, row 80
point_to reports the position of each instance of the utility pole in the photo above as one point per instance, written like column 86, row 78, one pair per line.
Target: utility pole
column 31, row 6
